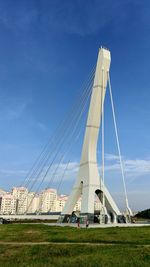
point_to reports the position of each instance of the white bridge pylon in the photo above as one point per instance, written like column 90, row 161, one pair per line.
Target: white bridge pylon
column 89, row 182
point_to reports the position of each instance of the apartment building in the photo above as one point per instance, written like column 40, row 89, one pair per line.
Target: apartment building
column 48, row 200
column 8, row 204
column 20, row 201
column 2, row 192
column 21, row 196
column 61, row 201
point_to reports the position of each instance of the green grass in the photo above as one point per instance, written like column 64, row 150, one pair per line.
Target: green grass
column 119, row 247
column 41, row 233
column 74, row 256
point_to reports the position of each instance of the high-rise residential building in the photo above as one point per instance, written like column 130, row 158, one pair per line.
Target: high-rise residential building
column 8, row 204
column 21, row 196
column 61, row 201
column 48, row 201
column 2, row 192
column 20, row 201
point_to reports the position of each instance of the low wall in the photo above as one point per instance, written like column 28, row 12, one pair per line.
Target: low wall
column 30, row 217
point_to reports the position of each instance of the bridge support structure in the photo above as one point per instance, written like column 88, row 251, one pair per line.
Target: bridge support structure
column 88, row 182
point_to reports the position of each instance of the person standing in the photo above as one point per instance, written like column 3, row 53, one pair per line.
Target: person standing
column 78, row 222
column 87, row 223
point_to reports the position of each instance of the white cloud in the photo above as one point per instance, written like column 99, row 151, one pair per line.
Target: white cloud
column 138, row 200
column 70, row 171
column 13, row 172
column 111, row 157
column 137, row 167
column 132, row 167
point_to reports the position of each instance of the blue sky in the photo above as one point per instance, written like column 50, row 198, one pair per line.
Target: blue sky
column 47, row 51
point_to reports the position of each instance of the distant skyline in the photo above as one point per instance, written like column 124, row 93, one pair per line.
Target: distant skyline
column 47, row 51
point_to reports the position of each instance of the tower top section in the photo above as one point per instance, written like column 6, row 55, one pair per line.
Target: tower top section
column 102, row 66
column 105, row 53
column 105, row 48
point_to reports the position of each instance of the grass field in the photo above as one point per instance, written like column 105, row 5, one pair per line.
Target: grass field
column 108, row 247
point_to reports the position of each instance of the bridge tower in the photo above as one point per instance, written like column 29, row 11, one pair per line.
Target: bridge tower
column 89, row 182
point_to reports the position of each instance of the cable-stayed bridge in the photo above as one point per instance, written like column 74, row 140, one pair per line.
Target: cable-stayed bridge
column 88, row 182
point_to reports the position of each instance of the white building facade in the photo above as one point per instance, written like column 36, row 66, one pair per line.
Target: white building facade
column 48, row 200
column 21, row 196
column 20, row 201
